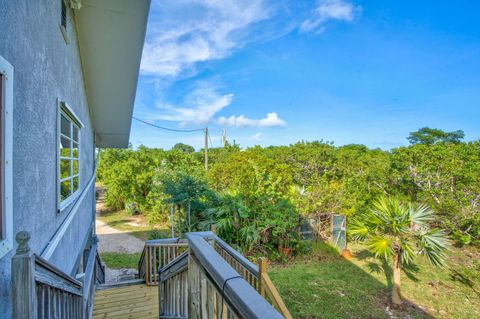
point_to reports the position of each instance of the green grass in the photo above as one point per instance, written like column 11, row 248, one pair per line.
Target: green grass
column 120, row 260
column 327, row 286
column 134, row 225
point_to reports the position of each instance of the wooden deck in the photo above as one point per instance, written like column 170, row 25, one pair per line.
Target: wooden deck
column 136, row 301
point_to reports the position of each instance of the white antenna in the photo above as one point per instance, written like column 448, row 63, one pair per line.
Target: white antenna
column 224, row 137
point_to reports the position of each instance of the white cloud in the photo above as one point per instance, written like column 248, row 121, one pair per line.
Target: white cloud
column 185, row 32
column 271, row 120
column 326, row 10
column 199, row 106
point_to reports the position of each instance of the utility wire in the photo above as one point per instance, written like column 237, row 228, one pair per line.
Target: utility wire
column 168, row 129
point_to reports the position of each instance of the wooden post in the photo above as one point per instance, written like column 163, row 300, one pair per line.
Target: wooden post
column 213, row 228
column 23, row 279
column 262, row 269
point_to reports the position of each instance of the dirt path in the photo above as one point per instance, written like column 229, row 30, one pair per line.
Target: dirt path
column 114, row 240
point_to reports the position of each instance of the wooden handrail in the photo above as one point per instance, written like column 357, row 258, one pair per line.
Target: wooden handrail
column 260, row 281
column 266, row 287
column 156, row 254
column 229, row 291
column 41, row 290
column 173, row 288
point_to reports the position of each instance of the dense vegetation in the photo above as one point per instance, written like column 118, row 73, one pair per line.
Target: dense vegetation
column 257, row 196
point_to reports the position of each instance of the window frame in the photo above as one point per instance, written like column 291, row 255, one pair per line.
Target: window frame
column 6, row 191
column 65, row 110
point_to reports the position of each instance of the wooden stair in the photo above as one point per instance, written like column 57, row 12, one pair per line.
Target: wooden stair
column 135, row 300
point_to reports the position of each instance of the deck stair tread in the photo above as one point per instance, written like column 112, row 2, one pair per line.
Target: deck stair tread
column 132, row 301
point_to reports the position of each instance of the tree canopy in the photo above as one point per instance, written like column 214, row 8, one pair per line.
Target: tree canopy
column 257, row 196
column 430, row 136
column 183, row 148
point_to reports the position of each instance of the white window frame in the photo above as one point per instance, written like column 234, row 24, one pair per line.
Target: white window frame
column 65, row 109
column 6, row 244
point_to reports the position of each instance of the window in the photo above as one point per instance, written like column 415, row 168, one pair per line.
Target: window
column 69, row 168
column 6, row 137
column 64, row 20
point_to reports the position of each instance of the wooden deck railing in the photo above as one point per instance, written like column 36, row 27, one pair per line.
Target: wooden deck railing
column 257, row 277
column 41, row 290
column 216, row 289
column 173, row 288
column 156, row 254
column 176, row 266
column 242, row 265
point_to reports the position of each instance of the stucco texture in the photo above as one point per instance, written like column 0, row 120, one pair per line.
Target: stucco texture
column 46, row 68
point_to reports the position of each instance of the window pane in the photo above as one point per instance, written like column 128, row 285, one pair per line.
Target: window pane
column 75, row 167
column 64, row 147
column 65, row 189
column 75, row 150
column 75, row 133
column 64, row 168
column 75, row 184
column 65, row 126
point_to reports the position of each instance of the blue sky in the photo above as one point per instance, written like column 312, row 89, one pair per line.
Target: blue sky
column 274, row 72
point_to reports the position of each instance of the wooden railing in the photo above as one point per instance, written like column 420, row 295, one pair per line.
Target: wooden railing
column 173, row 288
column 242, row 265
column 156, row 254
column 216, row 289
column 41, row 290
column 257, row 277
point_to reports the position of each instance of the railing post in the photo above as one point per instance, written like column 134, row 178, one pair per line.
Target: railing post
column 23, row 279
column 262, row 269
column 213, row 228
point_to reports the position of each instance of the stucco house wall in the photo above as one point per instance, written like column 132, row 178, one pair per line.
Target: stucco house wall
column 46, row 68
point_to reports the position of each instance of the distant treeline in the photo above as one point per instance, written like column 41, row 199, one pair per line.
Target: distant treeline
column 256, row 196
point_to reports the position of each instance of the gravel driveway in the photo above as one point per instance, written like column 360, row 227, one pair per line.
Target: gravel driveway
column 116, row 241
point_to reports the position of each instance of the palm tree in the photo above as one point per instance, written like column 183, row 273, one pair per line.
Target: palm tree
column 398, row 232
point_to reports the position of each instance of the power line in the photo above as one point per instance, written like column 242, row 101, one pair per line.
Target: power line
column 168, row 129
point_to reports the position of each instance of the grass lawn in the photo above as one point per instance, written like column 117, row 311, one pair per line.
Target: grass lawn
column 120, row 260
column 327, row 286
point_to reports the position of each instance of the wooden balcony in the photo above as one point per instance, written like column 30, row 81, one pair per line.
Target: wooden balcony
column 197, row 277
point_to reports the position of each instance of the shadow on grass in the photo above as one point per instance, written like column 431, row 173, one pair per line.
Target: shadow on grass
column 333, row 287
column 382, row 266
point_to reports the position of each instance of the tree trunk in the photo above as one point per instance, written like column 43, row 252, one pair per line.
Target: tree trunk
column 396, row 296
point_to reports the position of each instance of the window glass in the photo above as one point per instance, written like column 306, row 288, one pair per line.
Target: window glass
column 69, row 170
column 75, row 184
column 64, row 168
column 65, row 126
column 65, row 189
column 75, row 134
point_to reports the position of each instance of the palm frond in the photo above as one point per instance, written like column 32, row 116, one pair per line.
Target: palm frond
column 380, row 246
column 420, row 215
column 433, row 244
column 358, row 230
